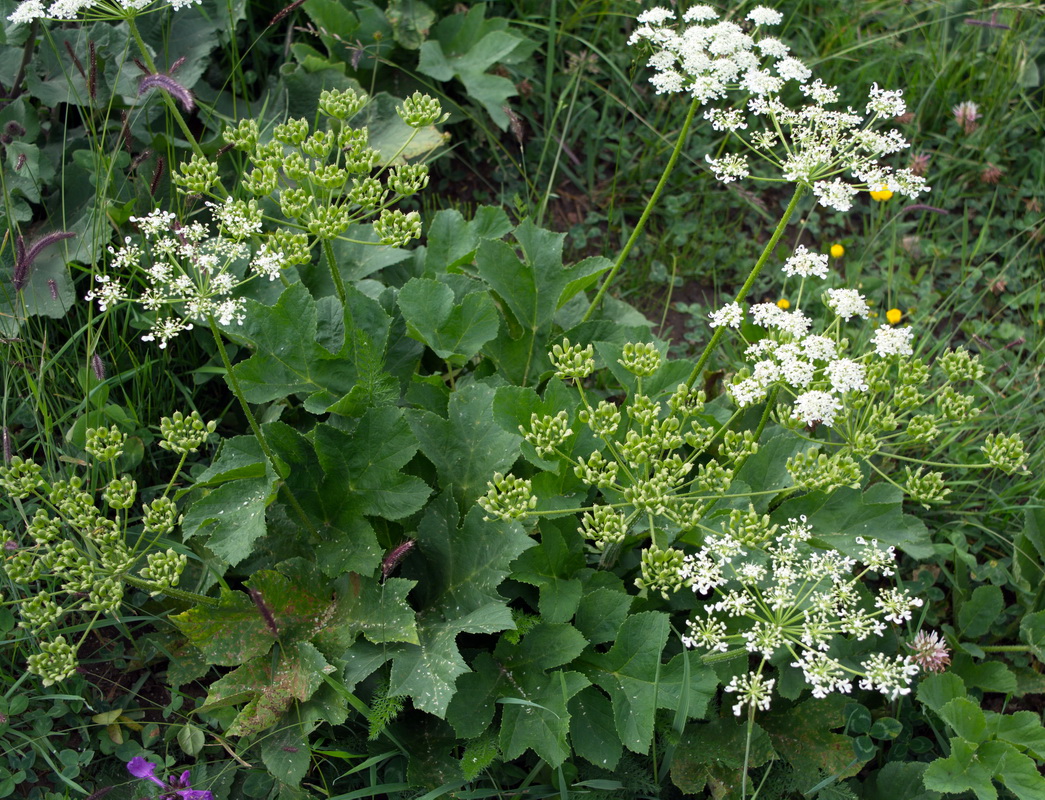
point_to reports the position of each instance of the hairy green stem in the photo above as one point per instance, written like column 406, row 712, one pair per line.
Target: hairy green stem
column 762, row 259
column 230, row 377
column 335, row 273
column 641, row 224
column 170, row 591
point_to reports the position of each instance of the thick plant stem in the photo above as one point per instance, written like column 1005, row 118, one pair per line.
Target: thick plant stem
column 170, row 591
column 171, row 105
column 641, row 224
column 236, row 390
column 762, row 259
column 335, row 274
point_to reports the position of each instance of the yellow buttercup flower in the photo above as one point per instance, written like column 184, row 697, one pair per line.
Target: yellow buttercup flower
column 837, row 251
column 783, row 303
column 894, row 315
column 881, row 194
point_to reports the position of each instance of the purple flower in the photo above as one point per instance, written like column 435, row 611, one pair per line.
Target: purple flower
column 179, row 788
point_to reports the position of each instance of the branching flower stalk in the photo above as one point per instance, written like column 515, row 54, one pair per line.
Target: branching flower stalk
column 84, row 551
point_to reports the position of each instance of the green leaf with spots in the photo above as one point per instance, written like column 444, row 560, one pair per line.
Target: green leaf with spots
column 301, row 347
column 227, row 634
column 468, row 447
column 628, row 673
column 231, row 497
column 592, row 730
column 532, row 288
column 541, row 723
column 464, row 567
column 343, row 476
column 269, row 691
column 804, row 735
column 551, row 568
column 455, row 329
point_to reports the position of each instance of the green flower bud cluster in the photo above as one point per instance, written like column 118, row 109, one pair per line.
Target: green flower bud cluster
column 184, row 434
column 738, row 445
column 548, row 432
column 508, row 498
column 408, row 179
column 39, row 613
column 956, row 407
column 71, row 548
column 21, row 477
column 603, row 421
column 327, row 222
column 662, row 571
column 367, row 193
column 1005, row 452
column 420, row 110
column 396, row 229
column 814, row 471
column 604, row 526
column 960, row 365
column 120, row 492
column 572, row 361
column 749, row 528
column 641, row 359
column 923, row 428
column 341, row 104
column 293, row 246
column 164, row 569
column 309, row 168
column 597, row 471
column 195, row 176
column 159, row 517
column 925, row 489
column 104, row 444
column 55, row 662
column 714, row 478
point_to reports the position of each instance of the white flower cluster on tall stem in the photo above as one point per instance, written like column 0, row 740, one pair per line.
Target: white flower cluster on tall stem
column 810, row 366
column 30, row 10
column 813, row 145
column 793, row 597
column 188, row 271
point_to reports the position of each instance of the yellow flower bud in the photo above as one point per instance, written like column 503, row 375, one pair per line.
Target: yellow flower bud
column 837, row 251
column 894, row 315
column 783, row 303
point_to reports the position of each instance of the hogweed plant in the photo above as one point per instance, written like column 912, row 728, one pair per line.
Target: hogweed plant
column 659, row 469
column 83, row 541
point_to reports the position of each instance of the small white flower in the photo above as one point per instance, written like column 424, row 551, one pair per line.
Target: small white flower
column 761, row 15
column 819, row 348
column 729, row 168
column 847, row 375
column 836, row 194
column 893, row 341
column 731, row 315
column 886, row 103
column 700, row 13
column 847, row 303
column 816, row 406
column 805, row 263
column 655, row 16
